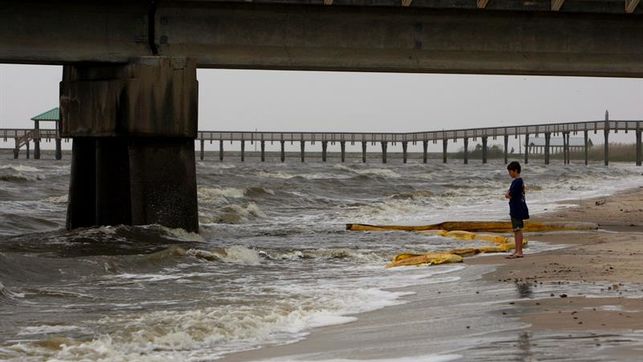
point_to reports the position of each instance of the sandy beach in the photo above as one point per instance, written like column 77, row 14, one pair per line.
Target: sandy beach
column 580, row 301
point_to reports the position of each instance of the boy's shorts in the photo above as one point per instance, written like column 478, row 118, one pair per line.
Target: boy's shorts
column 517, row 224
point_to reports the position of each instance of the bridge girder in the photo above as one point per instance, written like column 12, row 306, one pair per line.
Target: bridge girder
column 328, row 38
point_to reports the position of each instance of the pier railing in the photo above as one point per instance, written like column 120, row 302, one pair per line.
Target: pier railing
column 552, row 128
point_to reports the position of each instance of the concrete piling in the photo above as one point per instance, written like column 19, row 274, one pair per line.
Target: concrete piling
column 131, row 166
column 384, row 147
column 363, row 152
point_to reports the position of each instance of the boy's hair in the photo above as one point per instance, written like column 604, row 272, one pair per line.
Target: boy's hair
column 514, row 166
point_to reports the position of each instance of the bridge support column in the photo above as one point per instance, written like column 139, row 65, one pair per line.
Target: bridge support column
column 342, row 145
column 363, row 152
column 425, row 150
column 484, row 149
column 445, row 142
column 384, row 146
column 526, row 148
column 243, row 150
column 303, row 149
column 201, row 153
column 133, row 128
column 283, row 151
column 404, row 149
column 221, row 150
column 324, row 149
column 59, row 152
column 466, row 150
column 506, row 151
column 638, row 146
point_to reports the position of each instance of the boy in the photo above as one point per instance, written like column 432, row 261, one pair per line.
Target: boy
column 517, row 207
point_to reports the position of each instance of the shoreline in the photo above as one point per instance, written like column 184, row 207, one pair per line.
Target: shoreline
column 588, row 290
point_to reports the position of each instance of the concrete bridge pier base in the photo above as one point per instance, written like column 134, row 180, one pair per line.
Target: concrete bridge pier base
column 133, row 128
column 466, row 150
column 363, row 152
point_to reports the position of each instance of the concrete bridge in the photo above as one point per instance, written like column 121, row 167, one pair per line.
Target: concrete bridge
column 129, row 92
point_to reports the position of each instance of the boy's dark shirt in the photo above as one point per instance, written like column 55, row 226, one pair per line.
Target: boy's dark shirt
column 517, row 205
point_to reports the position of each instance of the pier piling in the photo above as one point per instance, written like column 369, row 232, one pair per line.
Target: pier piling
column 484, row 149
column 201, row 154
column 445, row 142
column 425, row 148
column 404, row 148
column 303, row 150
column 363, row 152
column 324, row 150
column 506, row 151
column 547, row 143
column 384, row 146
column 342, row 145
column 526, row 148
column 466, row 150
column 243, row 151
column 283, row 151
column 263, row 151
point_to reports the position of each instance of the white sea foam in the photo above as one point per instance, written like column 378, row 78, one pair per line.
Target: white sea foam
column 46, row 329
column 57, row 199
column 21, row 168
column 217, row 194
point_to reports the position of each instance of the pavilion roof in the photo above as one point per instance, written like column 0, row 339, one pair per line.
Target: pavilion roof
column 52, row 115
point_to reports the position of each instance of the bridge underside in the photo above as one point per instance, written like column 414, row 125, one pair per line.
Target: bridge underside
column 129, row 93
column 267, row 35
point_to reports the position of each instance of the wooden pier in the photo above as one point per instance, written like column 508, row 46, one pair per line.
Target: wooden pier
column 23, row 137
column 385, row 138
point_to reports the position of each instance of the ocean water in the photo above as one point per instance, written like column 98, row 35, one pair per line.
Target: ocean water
column 272, row 261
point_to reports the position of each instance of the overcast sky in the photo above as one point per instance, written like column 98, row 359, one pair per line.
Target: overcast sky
column 326, row 101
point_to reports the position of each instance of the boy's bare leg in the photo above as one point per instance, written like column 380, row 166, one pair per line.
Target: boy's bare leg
column 518, row 239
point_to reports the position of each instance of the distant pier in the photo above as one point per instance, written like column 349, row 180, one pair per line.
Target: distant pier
column 23, row 138
column 385, row 138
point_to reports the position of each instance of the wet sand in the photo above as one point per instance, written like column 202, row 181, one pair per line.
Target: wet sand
column 580, row 302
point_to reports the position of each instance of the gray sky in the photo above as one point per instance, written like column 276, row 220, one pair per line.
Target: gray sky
column 327, row 101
